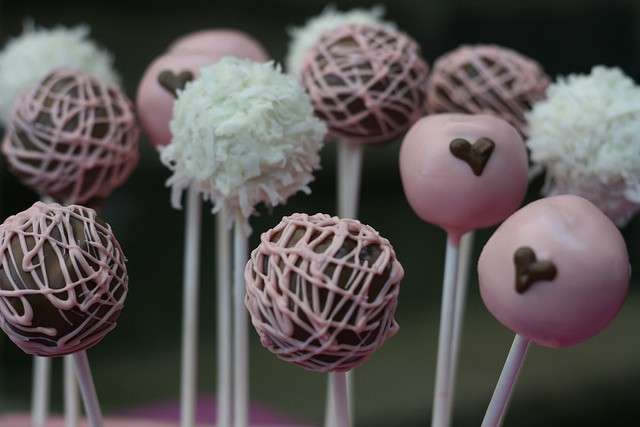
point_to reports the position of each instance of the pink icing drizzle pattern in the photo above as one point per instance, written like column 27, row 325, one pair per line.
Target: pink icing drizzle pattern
column 304, row 308
column 72, row 137
column 486, row 79
column 71, row 259
column 366, row 82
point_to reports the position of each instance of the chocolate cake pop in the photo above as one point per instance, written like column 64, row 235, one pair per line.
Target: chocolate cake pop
column 322, row 291
column 556, row 272
column 463, row 172
column 72, row 137
column 26, row 59
column 63, row 279
column 366, row 82
column 586, row 135
column 486, row 79
column 219, row 43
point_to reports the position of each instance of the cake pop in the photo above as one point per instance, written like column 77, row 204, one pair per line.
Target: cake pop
column 585, row 136
column 162, row 81
column 37, row 51
column 460, row 172
column 63, row 283
column 72, row 137
column 556, row 273
column 486, row 79
column 322, row 292
column 219, row 43
column 243, row 134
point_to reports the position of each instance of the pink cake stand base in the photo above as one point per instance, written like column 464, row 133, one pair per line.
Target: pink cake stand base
column 21, row 420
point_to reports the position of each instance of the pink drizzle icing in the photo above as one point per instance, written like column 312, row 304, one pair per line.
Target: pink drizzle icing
column 72, row 137
column 486, row 79
column 80, row 273
column 366, row 82
column 309, row 317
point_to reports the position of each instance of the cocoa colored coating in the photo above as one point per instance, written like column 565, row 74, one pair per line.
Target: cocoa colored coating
column 63, row 279
column 366, row 82
column 486, row 79
column 72, row 138
column 322, row 291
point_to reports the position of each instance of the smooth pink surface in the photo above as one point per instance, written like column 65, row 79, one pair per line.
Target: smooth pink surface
column 592, row 271
column 443, row 190
column 155, row 103
column 221, row 42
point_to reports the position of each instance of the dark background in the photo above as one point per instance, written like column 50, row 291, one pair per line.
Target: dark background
column 593, row 384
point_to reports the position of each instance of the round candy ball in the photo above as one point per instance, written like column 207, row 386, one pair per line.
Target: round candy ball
column 486, row 79
column 72, row 137
column 367, row 82
column 322, row 291
column 219, row 43
column 159, row 87
column 556, row 272
column 463, row 172
column 63, row 279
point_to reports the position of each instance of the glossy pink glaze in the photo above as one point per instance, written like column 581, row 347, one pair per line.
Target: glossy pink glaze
column 443, row 190
column 219, row 43
column 592, row 265
column 309, row 296
column 154, row 102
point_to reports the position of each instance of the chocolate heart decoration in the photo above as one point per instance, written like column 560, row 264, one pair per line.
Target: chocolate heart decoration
column 173, row 82
column 476, row 155
column 529, row 270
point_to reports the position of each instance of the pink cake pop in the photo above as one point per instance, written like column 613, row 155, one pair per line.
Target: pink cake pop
column 219, row 43
column 72, row 137
column 366, row 82
column 63, row 279
column 486, row 79
column 322, row 291
column 463, row 172
column 158, row 88
column 556, row 273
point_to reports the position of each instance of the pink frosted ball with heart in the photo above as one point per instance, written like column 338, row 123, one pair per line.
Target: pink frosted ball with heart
column 463, row 172
column 591, row 265
column 221, row 42
column 155, row 101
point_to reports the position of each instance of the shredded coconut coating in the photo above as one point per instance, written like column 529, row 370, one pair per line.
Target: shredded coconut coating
column 322, row 291
column 586, row 134
column 243, row 133
column 305, row 37
column 29, row 57
column 63, row 279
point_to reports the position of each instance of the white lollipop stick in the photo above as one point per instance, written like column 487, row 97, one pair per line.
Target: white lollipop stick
column 71, row 406
column 87, row 389
column 40, row 393
column 340, row 391
column 462, row 286
column 502, row 394
column 224, row 347
column 442, row 395
column 241, row 334
column 191, row 270
column 349, row 171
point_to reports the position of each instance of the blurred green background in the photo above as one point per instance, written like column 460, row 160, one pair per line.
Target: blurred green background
column 593, row 384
